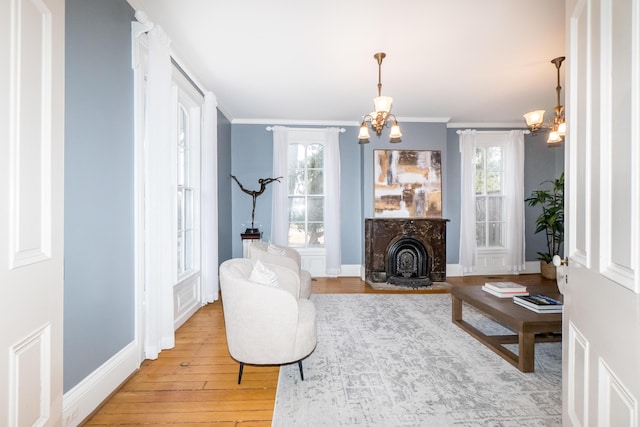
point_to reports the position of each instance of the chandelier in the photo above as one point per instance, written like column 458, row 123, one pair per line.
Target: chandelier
column 381, row 117
column 557, row 127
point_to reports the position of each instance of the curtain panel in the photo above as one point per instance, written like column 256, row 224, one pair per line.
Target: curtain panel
column 514, row 192
column 159, row 319
column 467, row 201
column 209, row 200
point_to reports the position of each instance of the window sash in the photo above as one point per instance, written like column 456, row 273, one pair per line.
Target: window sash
column 306, row 194
column 490, row 198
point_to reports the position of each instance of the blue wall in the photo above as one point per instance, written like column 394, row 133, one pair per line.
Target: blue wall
column 99, row 227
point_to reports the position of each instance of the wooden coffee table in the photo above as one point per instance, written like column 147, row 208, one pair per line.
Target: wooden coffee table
column 530, row 326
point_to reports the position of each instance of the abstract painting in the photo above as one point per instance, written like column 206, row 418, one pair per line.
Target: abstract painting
column 407, row 183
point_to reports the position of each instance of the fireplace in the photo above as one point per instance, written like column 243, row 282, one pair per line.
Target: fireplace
column 407, row 252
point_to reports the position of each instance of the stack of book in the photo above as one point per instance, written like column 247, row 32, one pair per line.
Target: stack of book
column 539, row 303
column 505, row 289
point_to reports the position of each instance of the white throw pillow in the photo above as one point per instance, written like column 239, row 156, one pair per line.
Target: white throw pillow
column 262, row 275
column 273, row 249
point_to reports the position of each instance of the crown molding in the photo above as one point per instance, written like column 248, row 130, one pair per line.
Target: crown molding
column 487, row 125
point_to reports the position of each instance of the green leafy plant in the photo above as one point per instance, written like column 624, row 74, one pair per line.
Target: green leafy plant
column 551, row 220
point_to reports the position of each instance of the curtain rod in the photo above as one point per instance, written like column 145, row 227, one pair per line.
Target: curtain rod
column 526, row 132
column 270, row 128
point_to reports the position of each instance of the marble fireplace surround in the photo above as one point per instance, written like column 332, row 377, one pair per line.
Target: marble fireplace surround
column 381, row 234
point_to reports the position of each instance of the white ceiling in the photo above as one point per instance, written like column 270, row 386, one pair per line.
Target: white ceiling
column 462, row 61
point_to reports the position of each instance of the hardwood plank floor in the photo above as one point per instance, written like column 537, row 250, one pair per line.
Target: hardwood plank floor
column 195, row 383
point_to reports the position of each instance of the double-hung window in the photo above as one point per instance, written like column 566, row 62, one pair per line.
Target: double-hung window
column 306, row 194
column 188, row 119
column 490, row 197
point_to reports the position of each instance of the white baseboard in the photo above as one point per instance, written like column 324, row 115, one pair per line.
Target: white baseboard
column 350, row 270
column 455, row 270
column 79, row 402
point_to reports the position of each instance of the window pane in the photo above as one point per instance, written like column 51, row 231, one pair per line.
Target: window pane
column 297, row 209
column 180, row 211
column 180, row 252
column 494, row 209
column 296, row 182
column 315, row 156
column 494, row 170
column 188, row 250
column 481, row 209
column 296, row 234
column 315, row 209
column 494, row 159
column 479, row 182
column 494, row 182
column 495, row 234
column 188, row 208
column 480, row 235
column 183, row 146
column 296, row 156
column 479, row 160
column 315, row 234
column 315, row 183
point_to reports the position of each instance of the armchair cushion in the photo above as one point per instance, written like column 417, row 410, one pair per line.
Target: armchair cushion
column 262, row 275
column 282, row 256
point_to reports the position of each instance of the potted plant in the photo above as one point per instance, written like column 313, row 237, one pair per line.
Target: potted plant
column 551, row 221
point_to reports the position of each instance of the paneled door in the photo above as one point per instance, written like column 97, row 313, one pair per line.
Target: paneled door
column 601, row 328
column 31, row 211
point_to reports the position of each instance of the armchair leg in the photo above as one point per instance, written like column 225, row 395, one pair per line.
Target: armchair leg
column 300, row 367
column 240, row 372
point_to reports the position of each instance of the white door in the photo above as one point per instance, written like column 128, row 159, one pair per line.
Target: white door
column 601, row 332
column 31, row 209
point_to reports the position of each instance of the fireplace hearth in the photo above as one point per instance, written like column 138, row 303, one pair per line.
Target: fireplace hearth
column 405, row 252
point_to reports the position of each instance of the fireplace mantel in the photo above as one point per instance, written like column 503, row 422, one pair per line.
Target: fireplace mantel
column 382, row 233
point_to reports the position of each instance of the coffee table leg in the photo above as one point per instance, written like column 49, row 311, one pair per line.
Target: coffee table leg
column 526, row 348
column 456, row 308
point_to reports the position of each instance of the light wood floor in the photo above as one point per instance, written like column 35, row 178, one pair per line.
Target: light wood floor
column 195, row 383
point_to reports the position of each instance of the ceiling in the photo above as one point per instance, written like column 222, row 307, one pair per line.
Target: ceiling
column 465, row 62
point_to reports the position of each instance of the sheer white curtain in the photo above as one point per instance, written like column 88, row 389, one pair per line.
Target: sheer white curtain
column 209, row 200
column 280, row 204
column 467, row 200
column 514, row 193
column 158, row 297
column 332, row 238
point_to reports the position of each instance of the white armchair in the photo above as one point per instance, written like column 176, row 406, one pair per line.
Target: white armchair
column 266, row 324
column 284, row 256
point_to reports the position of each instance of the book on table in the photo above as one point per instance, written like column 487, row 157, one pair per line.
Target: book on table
column 539, row 303
column 506, row 287
column 499, row 294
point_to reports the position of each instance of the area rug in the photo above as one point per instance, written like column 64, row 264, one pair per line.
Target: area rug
column 397, row 360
